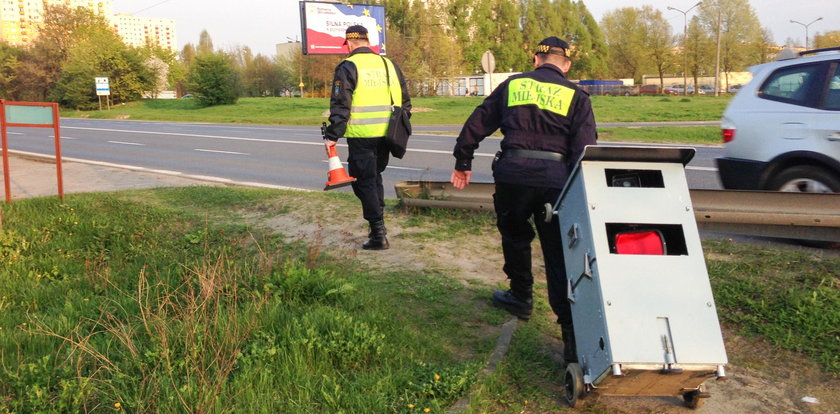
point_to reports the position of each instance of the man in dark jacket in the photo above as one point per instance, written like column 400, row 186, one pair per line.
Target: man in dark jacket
column 365, row 87
column 546, row 121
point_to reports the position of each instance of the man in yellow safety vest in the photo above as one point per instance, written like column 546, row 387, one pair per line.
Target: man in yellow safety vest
column 364, row 88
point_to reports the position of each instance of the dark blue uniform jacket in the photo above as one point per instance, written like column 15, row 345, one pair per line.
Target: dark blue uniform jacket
column 530, row 127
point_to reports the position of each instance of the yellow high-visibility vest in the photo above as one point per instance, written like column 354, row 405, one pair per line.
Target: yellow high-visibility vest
column 371, row 105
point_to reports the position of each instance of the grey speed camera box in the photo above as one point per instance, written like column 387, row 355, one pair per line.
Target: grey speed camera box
column 644, row 315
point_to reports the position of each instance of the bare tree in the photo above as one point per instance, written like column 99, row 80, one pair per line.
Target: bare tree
column 739, row 30
column 625, row 35
column 205, row 43
column 658, row 40
column 700, row 49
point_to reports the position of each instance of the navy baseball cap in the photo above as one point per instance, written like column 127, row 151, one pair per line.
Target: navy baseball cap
column 355, row 31
column 551, row 44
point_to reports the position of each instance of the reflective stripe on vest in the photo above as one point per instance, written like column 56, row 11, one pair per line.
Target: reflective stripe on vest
column 371, row 105
column 546, row 96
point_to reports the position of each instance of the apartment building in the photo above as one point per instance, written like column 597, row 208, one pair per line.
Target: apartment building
column 20, row 21
column 140, row 31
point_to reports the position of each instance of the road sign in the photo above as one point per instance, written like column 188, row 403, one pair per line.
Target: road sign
column 29, row 114
column 488, row 62
column 103, row 87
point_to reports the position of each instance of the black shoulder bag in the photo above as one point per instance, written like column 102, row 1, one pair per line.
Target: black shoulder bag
column 399, row 127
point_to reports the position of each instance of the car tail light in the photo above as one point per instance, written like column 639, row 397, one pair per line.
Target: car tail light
column 728, row 135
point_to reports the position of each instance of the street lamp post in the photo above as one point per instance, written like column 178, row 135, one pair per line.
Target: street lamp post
column 717, row 54
column 685, row 41
column 300, row 65
column 806, row 28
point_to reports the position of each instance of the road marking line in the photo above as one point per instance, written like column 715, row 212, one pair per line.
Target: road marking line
column 407, row 168
column 15, row 133
column 63, row 137
column 127, row 143
column 166, row 172
column 221, row 152
column 275, row 141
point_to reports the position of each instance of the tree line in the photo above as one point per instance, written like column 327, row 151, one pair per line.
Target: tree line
column 432, row 41
column 74, row 47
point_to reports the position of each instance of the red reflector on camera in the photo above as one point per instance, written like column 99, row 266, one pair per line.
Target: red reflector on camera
column 640, row 242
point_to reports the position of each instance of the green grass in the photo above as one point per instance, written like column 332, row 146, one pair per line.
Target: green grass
column 658, row 108
column 791, row 298
column 679, row 135
column 176, row 299
column 439, row 111
column 148, row 305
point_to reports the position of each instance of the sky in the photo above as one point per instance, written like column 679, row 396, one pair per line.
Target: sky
column 261, row 24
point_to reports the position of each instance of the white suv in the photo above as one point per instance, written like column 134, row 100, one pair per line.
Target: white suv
column 782, row 130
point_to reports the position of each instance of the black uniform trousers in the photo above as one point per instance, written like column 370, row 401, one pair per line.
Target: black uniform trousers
column 515, row 206
column 367, row 158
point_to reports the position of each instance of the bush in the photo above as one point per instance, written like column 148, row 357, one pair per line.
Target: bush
column 213, row 79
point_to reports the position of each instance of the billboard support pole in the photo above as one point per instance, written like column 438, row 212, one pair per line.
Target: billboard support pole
column 6, row 180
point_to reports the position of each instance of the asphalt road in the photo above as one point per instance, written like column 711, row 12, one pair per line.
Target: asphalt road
column 286, row 156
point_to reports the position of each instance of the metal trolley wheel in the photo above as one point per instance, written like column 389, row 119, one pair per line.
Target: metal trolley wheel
column 573, row 381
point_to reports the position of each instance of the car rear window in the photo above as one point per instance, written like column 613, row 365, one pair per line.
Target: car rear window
column 793, row 84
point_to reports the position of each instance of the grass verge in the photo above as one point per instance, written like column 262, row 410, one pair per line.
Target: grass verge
column 431, row 111
column 665, row 135
column 178, row 300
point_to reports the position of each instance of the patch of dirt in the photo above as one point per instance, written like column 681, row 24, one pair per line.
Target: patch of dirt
column 760, row 377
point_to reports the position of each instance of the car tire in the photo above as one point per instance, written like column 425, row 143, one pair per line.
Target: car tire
column 804, row 178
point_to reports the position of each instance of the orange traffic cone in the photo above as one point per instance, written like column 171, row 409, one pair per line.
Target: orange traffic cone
column 337, row 177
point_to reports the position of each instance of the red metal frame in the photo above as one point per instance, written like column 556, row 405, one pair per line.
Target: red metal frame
column 5, row 142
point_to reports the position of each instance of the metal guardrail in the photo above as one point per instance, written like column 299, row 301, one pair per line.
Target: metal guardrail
column 804, row 216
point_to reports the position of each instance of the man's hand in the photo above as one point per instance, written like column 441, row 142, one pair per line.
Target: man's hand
column 460, row 179
column 329, row 143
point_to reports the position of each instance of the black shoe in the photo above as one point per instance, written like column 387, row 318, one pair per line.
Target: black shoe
column 522, row 309
column 376, row 237
column 376, row 243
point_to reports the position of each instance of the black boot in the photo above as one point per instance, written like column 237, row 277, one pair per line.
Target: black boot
column 522, row 309
column 569, row 346
column 376, row 237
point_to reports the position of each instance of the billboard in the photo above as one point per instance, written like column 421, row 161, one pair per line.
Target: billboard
column 323, row 24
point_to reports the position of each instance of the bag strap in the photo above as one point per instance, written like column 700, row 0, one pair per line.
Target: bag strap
column 388, row 78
